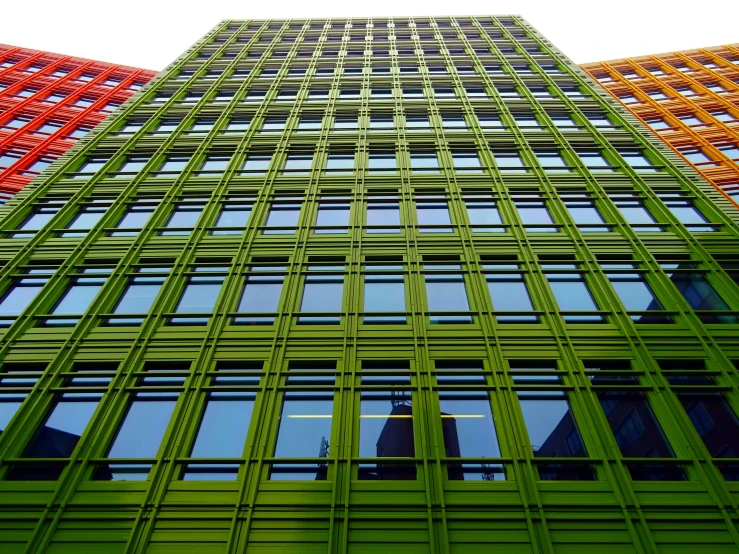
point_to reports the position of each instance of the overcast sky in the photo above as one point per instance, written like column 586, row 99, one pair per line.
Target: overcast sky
column 152, row 33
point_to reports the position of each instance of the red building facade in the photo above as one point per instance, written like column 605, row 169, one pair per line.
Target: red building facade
column 48, row 102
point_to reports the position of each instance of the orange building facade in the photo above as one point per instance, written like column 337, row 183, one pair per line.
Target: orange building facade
column 690, row 100
column 48, row 102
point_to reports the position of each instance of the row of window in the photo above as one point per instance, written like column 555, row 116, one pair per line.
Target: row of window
column 265, row 291
column 717, row 62
column 421, row 159
column 61, row 72
column 55, row 97
column 691, row 120
column 398, row 22
column 384, row 431
column 383, row 215
column 442, row 92
column 659, row 95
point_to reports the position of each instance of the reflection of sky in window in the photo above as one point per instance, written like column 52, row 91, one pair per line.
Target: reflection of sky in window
column 143, row 429
column 542, row 416
column 636, row 295
column 137, row 299
column 384, row 297
column 199, row 298
column 304, row 423
column 446, row 295
column 322, row 297
column 7, row 411
column 572, row 296
column 261, row 296
column 77, row 299
column 17, row 300
column 509, row 296
column 475, row 430
column 222, row 432
column 67, row 418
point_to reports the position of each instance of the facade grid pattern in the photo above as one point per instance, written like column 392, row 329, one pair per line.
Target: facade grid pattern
column 48, row 102
column 690, row 100
column 403, row 285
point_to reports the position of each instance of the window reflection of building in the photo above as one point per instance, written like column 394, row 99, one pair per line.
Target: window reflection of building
column 395, row 441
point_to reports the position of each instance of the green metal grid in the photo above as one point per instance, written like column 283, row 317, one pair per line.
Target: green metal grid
column 343, row 514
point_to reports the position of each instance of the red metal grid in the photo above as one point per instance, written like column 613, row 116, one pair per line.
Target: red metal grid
column 632, row 80
column 22, row 69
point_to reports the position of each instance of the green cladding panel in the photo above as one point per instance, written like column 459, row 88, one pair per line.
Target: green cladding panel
column 370, row 285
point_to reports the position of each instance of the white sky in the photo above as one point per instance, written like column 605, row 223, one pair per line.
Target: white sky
column 152, row 33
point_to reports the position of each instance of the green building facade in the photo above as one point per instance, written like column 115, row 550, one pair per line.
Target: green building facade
column 375, row 285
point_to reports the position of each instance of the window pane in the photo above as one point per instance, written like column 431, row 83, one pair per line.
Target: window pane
column 76, row 300
column 484, row 213
column 509, row 293
column 233, row 216
column 638, row 434
column 222, row 434
column 433, row 214
column 282, row 215
column 383, row 218
column 304, row 432
column 386, row 430
column 260, row 295
column 698, row 291
column 553, row 433
column 714, row 420
column 469, row 432
column 199, row 298
column 635, row 294
column 447, row 293
column 17, row 299
column 322, row 296
column 57, row 438
column 532, row 214
column 333, row 215
column 137, row 299
column 133, row 220
column 384, row 294
column 183, row 218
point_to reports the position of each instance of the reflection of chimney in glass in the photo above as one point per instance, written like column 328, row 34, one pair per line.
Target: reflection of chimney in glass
column 396, row 439
column 322, row 470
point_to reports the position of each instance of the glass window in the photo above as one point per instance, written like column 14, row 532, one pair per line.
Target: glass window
column 139, row 296
column 687, row 214
column 20, row 294
column 634, row 212
column 595, row 162
column 322, row 293
column 381, row 122
column 534, row 215
column 433, row 215
column 509, row 294
column 446, row 292
column 340, row 162
column 132, row 165
column 553, row 433
column 573, row 295
column 469, row 432
column 424, row 162
column 695, row 155
column 39, row 165
column 78, row 296
column 552, row 162
column 386, row 431
column 214, row 165
column 139, row 436
column 585, row 215
column 714, row 420
column 183, row 219
column 86, row 219
column 199, row 296
column 233, row 217
column 466, row 162
column 509, row 161
column 56, row 438
column 173, row 164
column 256, row 164
column 657, row 123
column 282, row 218
column 383, row 215
column 639, row 435
column 41, row 215
column 636, row 296
column 238, row 124
column 638, row 161
column 346, row 123
column 261, row 295
column 90, row 167
column 698, row 292
column 482, row 212
column 136, row 216
column 381, row 162
column 222, row 434
column 384, row 293
column 298, row 164
column 333, row 216
column 417, row 122
column 304, row 432
column 489, row 121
